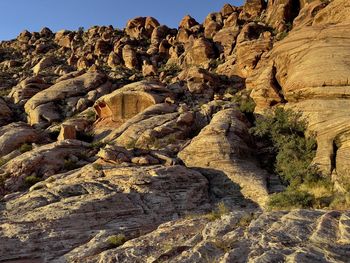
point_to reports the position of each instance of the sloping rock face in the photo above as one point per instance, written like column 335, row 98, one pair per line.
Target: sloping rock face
column 224, row 145
column 14, row 135
column 296, row 236
column 124, row 103
column 67, row 210
column 42, row 107
column 309, row 70
column 41, row 162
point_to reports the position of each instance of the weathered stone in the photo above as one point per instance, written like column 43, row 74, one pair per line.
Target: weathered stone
column 67, row 132
column 14, row 135
column 225, row 146
column 300, row 70
column 124, row 103
column 200, row 52
column 144, row 196
column 187, row 22
column 40, row 107
column 43, row 64
column 130, row 57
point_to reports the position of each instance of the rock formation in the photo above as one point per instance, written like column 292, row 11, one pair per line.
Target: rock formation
column 136, row 145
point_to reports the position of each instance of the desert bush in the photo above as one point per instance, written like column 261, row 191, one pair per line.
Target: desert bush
column 97, row 166
column 293, row 153
column 116, row 240
column 291, row 199
column 25, row 148
column 220, row 210
column 31, row 180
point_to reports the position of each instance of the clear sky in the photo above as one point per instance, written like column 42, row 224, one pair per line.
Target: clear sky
column 17, row 15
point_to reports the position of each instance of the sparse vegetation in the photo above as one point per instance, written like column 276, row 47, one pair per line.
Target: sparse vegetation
column 170, row 69
column 217, row 213
column 116, row 240
column 293, row 153
column 31, row 180
column 97, row 166
column 25, row 148
column 70, row 165
column 246, row 219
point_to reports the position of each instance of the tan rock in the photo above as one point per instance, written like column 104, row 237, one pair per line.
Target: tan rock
column 252, row 9
column 226, row 39
column 130, row 57
column 187, row 22
column 24, row 36
column 42, row 161
column 144, row 196
column 102, row 48
column 148, row 70
column 27, row 89
column 67, row 132
column 40, row 108
column 64, row 38
column 200, row 52
column 197, row 239
column 113, row 60
column 14, row 135
column 224, row 145
column 141, row 26
column 315, row 85
column 83, row 64
column 124, row 103
column 252, row 42
column 43, row 64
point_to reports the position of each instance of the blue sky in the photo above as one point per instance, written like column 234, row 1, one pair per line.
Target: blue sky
column 17, row 15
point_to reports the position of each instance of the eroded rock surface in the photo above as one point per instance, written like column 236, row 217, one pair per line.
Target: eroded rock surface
column 225, row 146
column 67, row 210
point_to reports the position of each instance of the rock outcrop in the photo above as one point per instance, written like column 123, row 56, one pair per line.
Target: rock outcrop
column 299, row 71
column 43, row 106
column 225, row 146
column 134, row 145
column 70, row 209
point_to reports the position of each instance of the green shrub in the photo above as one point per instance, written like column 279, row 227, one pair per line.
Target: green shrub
column 97, row 166
column 116, row 240
column 292, row 155
column 291, row 199
column 170, row 69
column 70, row 165
column 25, row 148
column 31, row 180
column 221, row 209
column 293, row 151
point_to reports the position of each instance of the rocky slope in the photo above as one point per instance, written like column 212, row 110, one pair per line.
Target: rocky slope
column 133, row 145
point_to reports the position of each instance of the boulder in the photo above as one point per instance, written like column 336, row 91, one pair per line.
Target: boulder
column 199, row 53
column 43, row 64
column 225, row 147
column 295, row 236
column 130, row 57
column 41, row 107
column 27, row 88
column 14, row 135
column 187, row 22
column 122, row 104
column 67, row 132
column 141, row 26
column 252, row 9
